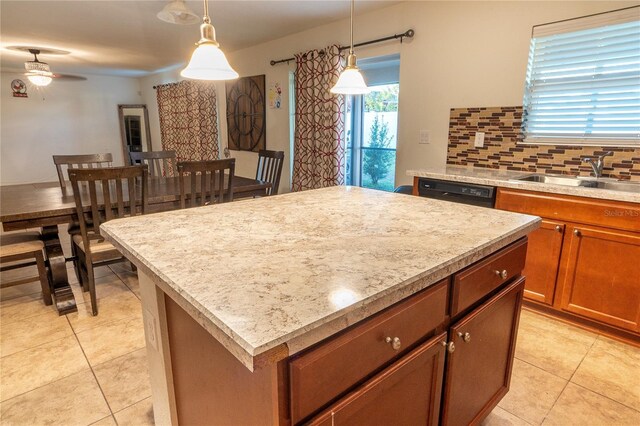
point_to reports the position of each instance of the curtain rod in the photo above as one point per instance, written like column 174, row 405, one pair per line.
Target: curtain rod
column 407, row 34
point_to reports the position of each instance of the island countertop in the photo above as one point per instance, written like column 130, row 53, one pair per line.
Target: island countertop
column 290, row 270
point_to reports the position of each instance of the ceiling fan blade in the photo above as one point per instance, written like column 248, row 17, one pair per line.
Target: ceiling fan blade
column 69, row 77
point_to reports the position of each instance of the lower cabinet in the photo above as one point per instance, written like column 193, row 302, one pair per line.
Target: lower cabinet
column 407, row 393
column 480, row 356
column 543, row 260
column 601, row 279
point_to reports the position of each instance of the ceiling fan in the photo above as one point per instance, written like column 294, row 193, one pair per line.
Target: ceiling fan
column 39, row 73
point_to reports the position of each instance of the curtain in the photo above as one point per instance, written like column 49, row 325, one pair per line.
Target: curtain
column 319, row 145
column 189, row 120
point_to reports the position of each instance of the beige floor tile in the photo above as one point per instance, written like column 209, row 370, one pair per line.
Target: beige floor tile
column 108, row 285
column 130, row 279
column 32, row 368
column 9, row 293
column 500, row 417
column 112, row 308
column 107, row 421
column 556, row 347
column 139, row 414
column 580, row 406
column 24, row 307
column 532, row 393
column 32, row 332
column 74, row 400
column 124, row 380
column 104, row 343
column 612, row 369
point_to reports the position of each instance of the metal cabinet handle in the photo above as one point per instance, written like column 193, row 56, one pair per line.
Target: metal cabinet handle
column 558, row 228
column 395, row 343
column 466, row 336
column 502, row 274
column 449, row 346
column 577, row 232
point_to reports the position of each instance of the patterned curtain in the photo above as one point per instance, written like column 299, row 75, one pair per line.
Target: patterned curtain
column 189, row 120
column 319, row 146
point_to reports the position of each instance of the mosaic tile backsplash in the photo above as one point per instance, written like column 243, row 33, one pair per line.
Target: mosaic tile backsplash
column 501, row 150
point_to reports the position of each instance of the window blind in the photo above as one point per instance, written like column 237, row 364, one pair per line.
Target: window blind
column 583, row 87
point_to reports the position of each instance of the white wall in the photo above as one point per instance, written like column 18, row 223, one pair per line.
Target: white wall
column 66, row 117
column 464, row 54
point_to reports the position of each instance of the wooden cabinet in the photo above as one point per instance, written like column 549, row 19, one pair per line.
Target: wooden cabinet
column 479, row 362
column 543, row 261
column 601, row 278
column 407, row 393
column 582, row 263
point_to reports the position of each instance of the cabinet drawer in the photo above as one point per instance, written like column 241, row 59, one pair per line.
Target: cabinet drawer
column 472, row 284
column 330, row 369
column 406, row 393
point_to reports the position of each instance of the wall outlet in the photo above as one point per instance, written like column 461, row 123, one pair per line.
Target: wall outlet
column 150, row 329
column 425, row 137
column 479, row 140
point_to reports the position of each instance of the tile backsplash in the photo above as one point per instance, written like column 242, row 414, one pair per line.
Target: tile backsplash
column 502, row 150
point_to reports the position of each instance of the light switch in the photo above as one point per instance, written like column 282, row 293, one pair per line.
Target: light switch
column 425, row 137
column 479, row 141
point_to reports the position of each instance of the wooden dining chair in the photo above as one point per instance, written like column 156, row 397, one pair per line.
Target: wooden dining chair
column 21, row 250
column 204, row 182
column 270, row 168
column 161, row 163
column 102, row 195
column 82, row 161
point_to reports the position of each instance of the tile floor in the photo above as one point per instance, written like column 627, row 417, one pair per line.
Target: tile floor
column 84, row 370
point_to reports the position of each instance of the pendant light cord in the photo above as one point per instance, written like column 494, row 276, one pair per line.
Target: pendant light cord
column 351, row 49
column 206, row 18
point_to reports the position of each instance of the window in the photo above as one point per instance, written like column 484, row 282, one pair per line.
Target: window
column 583, row 81
column 371, row 126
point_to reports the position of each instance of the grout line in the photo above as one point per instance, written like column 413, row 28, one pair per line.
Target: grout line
column 515, row 415
column 605, row 396
column 43, row 385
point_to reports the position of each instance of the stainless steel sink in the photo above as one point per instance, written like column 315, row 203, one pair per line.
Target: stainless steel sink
column 611, row 184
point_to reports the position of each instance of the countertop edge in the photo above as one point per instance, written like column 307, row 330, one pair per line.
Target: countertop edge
column 596, row 193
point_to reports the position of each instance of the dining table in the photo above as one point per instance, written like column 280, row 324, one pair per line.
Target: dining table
column 46, row 205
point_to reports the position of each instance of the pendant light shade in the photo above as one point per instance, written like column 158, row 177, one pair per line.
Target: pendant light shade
column 208, row 62
column 38, row 72
column 177, row 12
column 351, row 81
column 39, row 79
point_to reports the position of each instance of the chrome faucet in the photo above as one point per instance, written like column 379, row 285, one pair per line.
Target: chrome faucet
column 597, row 163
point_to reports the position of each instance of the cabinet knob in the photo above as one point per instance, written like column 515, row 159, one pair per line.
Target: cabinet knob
column 449, row 346
column 502, row 274
column 577, row 232
column 558, row 228
column 466, row 336
column 395, row 343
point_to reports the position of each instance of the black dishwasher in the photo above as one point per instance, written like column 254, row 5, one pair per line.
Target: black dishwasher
column 457, row 192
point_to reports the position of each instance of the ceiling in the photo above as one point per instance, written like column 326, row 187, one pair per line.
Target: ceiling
column 126, row 38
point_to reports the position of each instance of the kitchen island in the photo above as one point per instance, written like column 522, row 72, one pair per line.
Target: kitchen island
column 326, row 306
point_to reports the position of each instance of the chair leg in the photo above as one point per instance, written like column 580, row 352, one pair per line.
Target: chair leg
column 92, row 289
column 76, row 262
column 44, row 278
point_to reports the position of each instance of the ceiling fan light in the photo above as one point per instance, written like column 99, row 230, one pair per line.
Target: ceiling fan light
column 40, row 79
column 208, row 62
column 351, row 81
column 177, row 12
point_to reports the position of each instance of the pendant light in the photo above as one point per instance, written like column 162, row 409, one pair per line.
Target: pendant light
column 351, row 81
column 208, row 62
column 177, row 12
column 38, row 72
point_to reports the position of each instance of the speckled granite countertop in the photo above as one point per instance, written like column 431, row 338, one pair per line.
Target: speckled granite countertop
column 502, row 178
column 296, row 268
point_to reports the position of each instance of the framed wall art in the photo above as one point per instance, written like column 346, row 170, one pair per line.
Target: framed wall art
column 246, row 118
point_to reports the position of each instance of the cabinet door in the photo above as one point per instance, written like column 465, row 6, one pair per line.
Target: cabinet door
column 600, row 278
column 406, row 393
column 479, row 367
column 543, row 259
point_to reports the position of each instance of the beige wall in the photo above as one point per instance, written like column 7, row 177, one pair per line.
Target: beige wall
column 464, row 54
column 66, row 117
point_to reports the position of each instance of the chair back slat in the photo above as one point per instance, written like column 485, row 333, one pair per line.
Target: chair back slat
column 97, row 207
column 161, row 163
column 212, row 186
column 270, row 168
column 83, row 161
